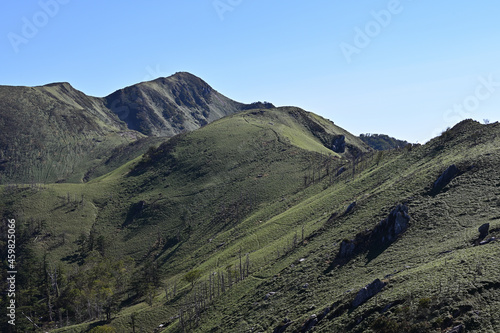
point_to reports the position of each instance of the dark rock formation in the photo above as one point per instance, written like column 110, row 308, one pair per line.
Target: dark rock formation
column 309, row 324
column 338, row 144
column 368, row 292
column 375, row 240
column 283, row 326
column 347, row 248
column 350, row 208
column 483, row 230
column 134, row 212
column 445, row 178
column 325, row 312
column 340, row 171
column 387, row 230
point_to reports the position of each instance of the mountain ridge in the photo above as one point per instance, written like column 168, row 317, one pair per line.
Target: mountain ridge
column 92, row 127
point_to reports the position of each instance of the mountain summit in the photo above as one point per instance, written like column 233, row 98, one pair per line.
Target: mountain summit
column 171, row 105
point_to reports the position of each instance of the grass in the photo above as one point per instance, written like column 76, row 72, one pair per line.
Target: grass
column 238, row 185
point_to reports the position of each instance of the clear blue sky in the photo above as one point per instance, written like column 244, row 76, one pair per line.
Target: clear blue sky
column 417, row 68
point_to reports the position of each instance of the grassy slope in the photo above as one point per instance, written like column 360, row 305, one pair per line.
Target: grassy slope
column 57, row 133
column 420, row 262
column 264, row 159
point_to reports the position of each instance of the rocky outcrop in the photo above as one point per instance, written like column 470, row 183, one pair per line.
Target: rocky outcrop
column 340, row 171
column 338, row 144
column 283, row 326
column 368, row 292
column 310, row 323
column 487, row 241
column 383, row 234
column 483, row 231
column 387, row 230
column 445, row 178
column 134, row 212
column 347, row 248
column 350, row 208
column 269, row 295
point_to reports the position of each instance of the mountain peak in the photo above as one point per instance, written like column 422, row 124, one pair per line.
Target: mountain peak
column 170, row 105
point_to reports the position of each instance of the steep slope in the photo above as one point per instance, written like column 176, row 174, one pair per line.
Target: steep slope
column 169, row 106
column 54, row 132
column 353, row 274
column 249, row 224
column 181, row 201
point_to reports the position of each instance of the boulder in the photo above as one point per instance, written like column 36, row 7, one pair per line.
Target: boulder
column 483, row 230
column 368, row 292
column 340, row 171
column 350, row 208
column 269, row 295
column 445, row 178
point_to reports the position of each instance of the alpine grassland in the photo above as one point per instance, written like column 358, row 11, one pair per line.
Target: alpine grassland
column 267, row 220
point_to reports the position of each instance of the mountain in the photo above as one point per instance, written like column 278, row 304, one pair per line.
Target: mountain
column 171, row 105
column 265, row 220
column 382, row 141
column 57, row 133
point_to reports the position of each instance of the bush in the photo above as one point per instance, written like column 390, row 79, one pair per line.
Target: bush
column 192, row 276
column 103, row 329
column 424, row 303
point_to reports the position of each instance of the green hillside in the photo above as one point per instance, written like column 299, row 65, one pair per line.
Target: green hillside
column 56, row 133
column 248, row 225
column 382, row 141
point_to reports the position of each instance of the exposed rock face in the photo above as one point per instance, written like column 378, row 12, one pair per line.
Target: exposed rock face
column 340, row 171
column 368, row 292
column 483, row 230
column 346, row 249
column 134, row 211
column 350, row 208
column 445, row 178
column 309, row 324
column 390, row 228
column 338, row 144
column 383, row 234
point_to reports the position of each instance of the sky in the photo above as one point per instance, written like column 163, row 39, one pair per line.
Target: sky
column 408, row 68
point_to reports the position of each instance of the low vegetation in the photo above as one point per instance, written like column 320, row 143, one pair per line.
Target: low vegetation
column 236, row 227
